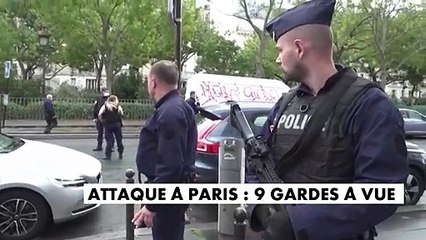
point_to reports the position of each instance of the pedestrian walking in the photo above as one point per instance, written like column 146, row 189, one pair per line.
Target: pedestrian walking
column 49, row 113
column 334, row 127
column 166, row 151
column 100, row 101
column 111, row 115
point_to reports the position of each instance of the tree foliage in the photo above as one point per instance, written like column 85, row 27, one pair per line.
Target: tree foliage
column 385, row 39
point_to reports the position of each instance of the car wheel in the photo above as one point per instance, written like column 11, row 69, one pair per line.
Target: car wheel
column 23, row 215
column 414, row 187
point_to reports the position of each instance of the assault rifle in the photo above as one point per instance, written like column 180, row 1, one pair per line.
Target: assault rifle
column 260, row 161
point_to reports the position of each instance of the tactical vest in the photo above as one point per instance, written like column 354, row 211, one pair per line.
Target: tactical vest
column 111, row 117
column 329, row 157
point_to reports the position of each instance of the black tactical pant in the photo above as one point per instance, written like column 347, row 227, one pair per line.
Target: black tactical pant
column 100, row 138
column 113, row 131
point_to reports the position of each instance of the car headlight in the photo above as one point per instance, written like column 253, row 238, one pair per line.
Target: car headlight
column 79, row 182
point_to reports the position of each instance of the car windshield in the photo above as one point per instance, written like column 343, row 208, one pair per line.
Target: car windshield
column 8, row 144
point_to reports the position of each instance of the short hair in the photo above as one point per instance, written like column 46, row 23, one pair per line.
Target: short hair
column 104, row 89
column 165, row 71
column 192, row 93
column 319, row 35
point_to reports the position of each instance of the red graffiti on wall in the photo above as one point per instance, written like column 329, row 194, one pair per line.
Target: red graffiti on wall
column 216, row 92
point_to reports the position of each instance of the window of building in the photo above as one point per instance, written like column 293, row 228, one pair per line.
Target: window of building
column 73, row 81
column 91, row 83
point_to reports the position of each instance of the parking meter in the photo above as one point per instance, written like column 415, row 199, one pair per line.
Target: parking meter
column 231, row 170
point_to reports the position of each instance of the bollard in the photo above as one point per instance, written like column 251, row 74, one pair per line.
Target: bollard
column 240, row 223
column 130, row 209
column 231, row 170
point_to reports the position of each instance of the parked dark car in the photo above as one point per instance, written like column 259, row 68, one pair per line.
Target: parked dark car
column 211, row 130
column 414, row 122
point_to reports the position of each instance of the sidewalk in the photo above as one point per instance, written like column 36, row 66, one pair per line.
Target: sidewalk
column 27, row 123
column 66, row 129
column 201, row 231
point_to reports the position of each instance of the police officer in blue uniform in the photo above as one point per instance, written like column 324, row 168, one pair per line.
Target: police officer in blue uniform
column 100, row 101
column 166, row 152
column 335, row 127
column 111, row 116
column 193, row 102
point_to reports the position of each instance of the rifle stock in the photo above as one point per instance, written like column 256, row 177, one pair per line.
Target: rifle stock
column 260, row 161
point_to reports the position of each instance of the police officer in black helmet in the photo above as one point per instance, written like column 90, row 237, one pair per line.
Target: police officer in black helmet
column 100, row 101
column 335, row 127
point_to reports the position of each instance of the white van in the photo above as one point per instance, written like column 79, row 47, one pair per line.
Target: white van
column 212, row 88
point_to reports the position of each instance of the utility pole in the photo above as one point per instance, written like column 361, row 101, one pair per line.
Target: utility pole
column 175, row 14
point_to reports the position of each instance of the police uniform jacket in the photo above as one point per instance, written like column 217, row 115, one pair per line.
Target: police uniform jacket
column 372, row 147
column 100, row 101
column 194, row 104
column 167, row 144
column 376, row 131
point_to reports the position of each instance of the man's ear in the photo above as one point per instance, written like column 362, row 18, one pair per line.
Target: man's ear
column 300, row 48
column 153, row 81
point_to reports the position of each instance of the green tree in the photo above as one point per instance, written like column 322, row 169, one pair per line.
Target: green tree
column 249, row 11
column 21, row 20
column 247, row 58
column 350, row 33
column 390, row 21
column 217, row 55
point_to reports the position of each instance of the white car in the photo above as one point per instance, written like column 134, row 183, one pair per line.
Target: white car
column 41, row 183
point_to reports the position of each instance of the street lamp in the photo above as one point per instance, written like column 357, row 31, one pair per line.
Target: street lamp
column 43, row 37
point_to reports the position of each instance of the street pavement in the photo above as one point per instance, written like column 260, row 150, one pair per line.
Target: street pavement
column 66, row 129
column 108, row 222
column 27, row 123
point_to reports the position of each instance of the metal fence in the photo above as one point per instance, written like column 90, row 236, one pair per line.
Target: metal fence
column 73, row 108
column 24, row 101
column 82, row 108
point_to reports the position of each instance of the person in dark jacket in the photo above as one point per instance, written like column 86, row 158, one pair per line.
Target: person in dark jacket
column 166, row 151
column 362, row 141
column 49, row 113
column 193, row 102
column 111, row 115
column 100, row 101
